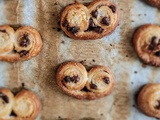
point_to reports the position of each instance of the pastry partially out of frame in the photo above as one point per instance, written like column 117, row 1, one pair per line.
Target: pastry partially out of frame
column 22, row 44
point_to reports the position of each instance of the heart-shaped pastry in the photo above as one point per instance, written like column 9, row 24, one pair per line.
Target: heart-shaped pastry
column 99, row 19
column 73, row 79
column 22, row 44
column 147, row 44
column 149, row 100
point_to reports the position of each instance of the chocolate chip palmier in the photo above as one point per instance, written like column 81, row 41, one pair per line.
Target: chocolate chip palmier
column 149, row 100
column 74, row 80
column 6, row 103
column 147, row 44
column 22, row 44
column 97, row 20
column 27, row 105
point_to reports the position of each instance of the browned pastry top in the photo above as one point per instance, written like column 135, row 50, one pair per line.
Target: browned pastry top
column 100, row 18
column 155, row 3
column 149, row 100
column 22, row 44
column 147, row 44
column 74, row 80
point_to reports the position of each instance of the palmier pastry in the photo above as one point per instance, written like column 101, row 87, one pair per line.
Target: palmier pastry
column 147, row 44
column 21, row 44
column 99, row 19
column 6, row 102
column 27, row 105
column 74, row 80
column 149, row 100
column 155, row 3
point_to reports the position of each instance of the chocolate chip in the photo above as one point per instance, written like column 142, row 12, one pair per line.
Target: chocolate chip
column 73, row 30
column 154, row 43
column 98, row 29
column 74, row 79
column 158, row 105
column 94, row 13
column 65, row 23
column 93, row 86
column 23, row 53
column 113, row 8
column 13, row 114
column 4, row 31
column 157, row 54
column 4, row 97
column 67, row 79
column 106, row 80
column 24, row 42
column 105, row 21
column 91, row 23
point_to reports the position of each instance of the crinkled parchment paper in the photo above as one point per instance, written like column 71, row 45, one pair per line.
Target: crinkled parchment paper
column 115, row 51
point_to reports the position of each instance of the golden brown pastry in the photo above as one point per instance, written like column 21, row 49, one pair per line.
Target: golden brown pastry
column 100, row 80
column 97, row 20
column 155, row 3
column 147, row 44
column 149, row 100
column 22, row 44
column 74, row 80
column 6, row 103
column 27, row 105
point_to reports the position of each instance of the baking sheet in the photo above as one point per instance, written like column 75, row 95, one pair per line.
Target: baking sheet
column 115, row 51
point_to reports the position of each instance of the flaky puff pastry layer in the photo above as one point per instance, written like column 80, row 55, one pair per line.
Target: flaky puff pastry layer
column 22, row 44
column 97, row 20
column 6, row 103
column 147, row 44
column 149, row 100
column 27, row 105
column 73, row 79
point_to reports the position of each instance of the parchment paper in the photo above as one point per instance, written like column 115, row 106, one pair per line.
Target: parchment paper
column 115, row 51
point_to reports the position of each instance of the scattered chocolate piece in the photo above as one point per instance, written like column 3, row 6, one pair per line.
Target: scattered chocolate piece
column 4, row 97
column 93, row 86
column 23, row 53
column 157, row 54
column 105, row 21
column 106, row 80
column 113, row 8
column 24, row 42
column 94, row 13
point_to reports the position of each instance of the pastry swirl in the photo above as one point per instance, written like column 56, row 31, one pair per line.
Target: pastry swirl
column 27, row 105
column 149, row 100
column 22, row 44
column 147, row 44
column 97, row 20
column 6, row 102
column 73, row 79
